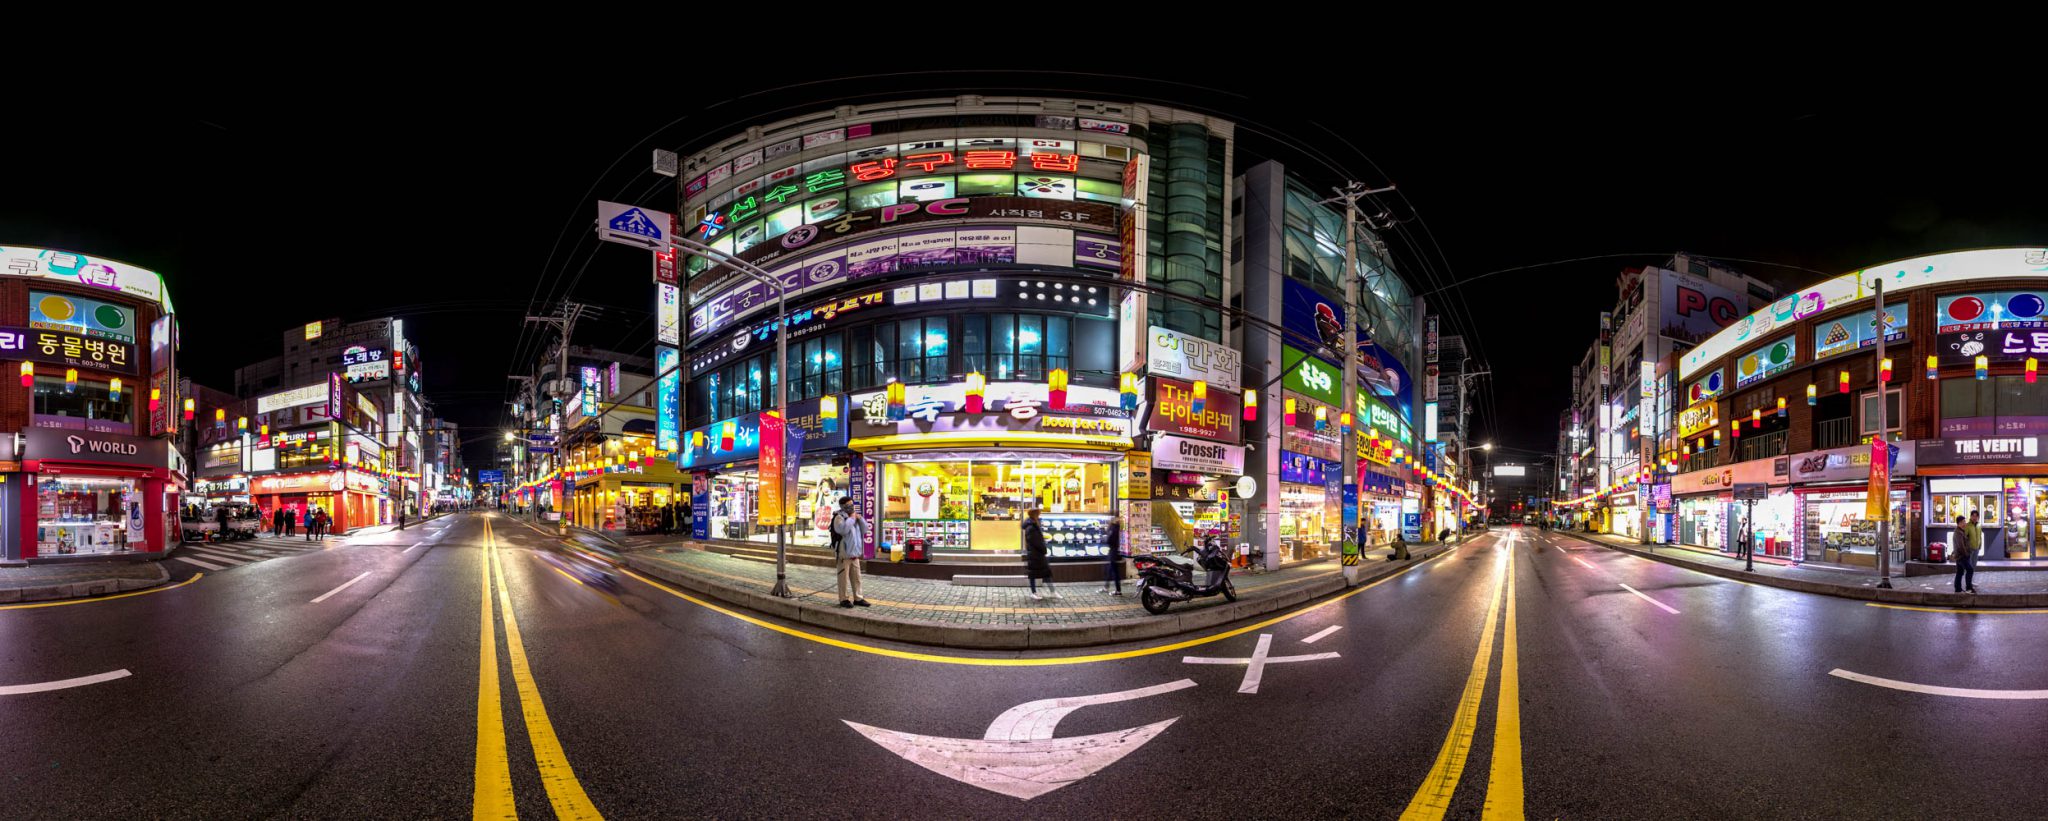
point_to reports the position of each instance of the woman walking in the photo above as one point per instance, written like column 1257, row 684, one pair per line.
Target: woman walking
column 1036, row 564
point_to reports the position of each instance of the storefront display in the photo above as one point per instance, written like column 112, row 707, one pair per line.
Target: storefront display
column 82, row 515
column 96, row 493
column 1702, row 522
column 1308, row 521
column 979, row 505
column 1985, row 497
column 1836, row 529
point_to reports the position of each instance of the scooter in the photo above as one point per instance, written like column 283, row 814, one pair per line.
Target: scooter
column 1165, row 579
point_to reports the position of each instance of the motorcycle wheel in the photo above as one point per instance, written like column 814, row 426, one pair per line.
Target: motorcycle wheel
column 1154, row 604
column 1229, row 592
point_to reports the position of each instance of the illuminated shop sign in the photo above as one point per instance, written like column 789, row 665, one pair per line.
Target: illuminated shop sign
column 590, row 388
column 1998, row 346
column 1705, row 387
column 86, row 317
column 299, row 483
column 668, row 314
column 900, row 253
column 67, row 348
column 1026, row 156
column 1768, row 361
column 763, row 242
column 1181, row 356
column 1310, row 376
column 362, row 364
column 1980, row 450
column 1307, row 470
column 1006, row 406
column 1698, row 418
column 2002, row 310
column 1961, row 266
column 1173, row 411
column 1858, row 331
column 84, row 271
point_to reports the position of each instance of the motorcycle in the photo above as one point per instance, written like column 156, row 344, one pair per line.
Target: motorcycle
column 1165, row 579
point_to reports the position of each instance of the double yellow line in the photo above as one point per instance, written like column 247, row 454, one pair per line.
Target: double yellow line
column 493, row 795
column 1504, row 779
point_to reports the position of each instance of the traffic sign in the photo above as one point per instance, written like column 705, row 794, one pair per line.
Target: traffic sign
column 633, row 225
column 490, row 477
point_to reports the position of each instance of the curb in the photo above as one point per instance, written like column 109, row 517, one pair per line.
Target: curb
column 1021, row 637
column 1873, row 594
column 80, row 590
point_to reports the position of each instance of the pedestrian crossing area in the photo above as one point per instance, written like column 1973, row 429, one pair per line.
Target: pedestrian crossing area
column 218, row 556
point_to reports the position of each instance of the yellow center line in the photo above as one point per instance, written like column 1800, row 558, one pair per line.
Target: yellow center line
column 94, row 599
column 564, row 791
column 492, row 797
column 1433, row 798
column 973, row 661
column 1979, row 612
column 1504, row 780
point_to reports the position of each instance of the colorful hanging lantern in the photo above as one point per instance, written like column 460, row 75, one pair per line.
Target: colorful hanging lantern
column 220, row 418
column 1287, row 412
column 728, row 431
column 696, row 439
column 28, row 374
column 1344, row 423
column 2033, row 364
column 1933, row 367
column 1781, row 407
column 241, row 424
column 1735, row 428
column 828, row 410
column 1251, row 406
column 1056, row 390
column 71, row 379
column 1126, row 389
column 1756, row 417
column 1812, row 394
column 1685, row 450
column 1322, row 418
column 263, row 430
column 1983, row 368
column 977, row 389
column 1842, row 382
column 1884, row 369
column 896, row 392
column 1717, row 438
column 156, row 399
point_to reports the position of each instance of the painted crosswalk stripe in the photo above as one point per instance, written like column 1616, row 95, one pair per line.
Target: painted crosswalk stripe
column 344, row 586
column 197, row 563
column 216, row 557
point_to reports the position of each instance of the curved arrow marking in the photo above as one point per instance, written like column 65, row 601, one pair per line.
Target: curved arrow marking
column 1931, row 689
column 20, row 689
column 1018, row 756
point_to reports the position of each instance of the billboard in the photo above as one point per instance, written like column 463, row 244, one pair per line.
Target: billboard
column 1173, row 411
column 84, row 271
column 1311, row 377
column 667, row 390
column 1310, row 319
column 1694, row 308
column 1858, row 331
column 88, row 317
column 1193, row 358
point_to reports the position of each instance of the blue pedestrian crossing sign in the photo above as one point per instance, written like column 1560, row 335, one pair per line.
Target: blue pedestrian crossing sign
column 633, row 225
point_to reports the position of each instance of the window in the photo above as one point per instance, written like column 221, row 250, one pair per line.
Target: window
column 1868, row 405
column 88, row 401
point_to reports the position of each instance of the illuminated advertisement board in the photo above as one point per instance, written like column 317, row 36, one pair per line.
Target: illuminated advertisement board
column 1858, row 331
column 84, row 271
column 1193, row 358
column 86, row 317
column 1173, row 411
column 590, row 388
column 668, row 314
column 667, row 390
column 1767, row 361
column 67, row 348
column 2002, row 327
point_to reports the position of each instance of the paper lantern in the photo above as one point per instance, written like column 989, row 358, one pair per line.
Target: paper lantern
column 696, row 438
column 1756, row 417
column 1781, row 407
column 71, row 379
column 156, row 400
column 263, row 430
column 1983, row 368
column 1842, row 382
column 28, row 374
column 1717, row 438
column 895, row 393
column 1933, row 367
column 2033, row 365
column 1126, row 387
column 220, row 418
column 1812, row 394
column 977, row 389
column 114, row 389
column 1287, row 412
column 1884, row 369
column 241, row 423
column 1322, row 418
column 828, row 411
column 1056, row 389
column 726, row 433
column 1735, row 428
column 1251, row 406
column 1344, row 423
column 1200, row 398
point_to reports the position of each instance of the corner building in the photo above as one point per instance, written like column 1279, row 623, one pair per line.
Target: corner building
column 971, row 281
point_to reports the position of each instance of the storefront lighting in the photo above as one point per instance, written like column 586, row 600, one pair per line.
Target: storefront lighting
column 1287, row 412
column 1251, row 406
column 1127, row 392
column 1933, row 367
column 1201, row 399
column 1884, row 369
column 1983, row 368
column 1322, row 418
column 2033, row 365
column 71, row 379
column 977, row 390
column 1812, row 394
column 1842, row 382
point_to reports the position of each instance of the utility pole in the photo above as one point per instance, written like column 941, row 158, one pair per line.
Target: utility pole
column 561, row 388
column 1347, row 436
column 1464, row 451
column 1883, row 450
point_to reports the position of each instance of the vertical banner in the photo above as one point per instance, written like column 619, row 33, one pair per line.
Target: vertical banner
column 1878, row 507
column 700, row 506
column 668, row 314
column 667, row 391
column 334, row 403
column 1137, row 178
column 792, row 464
column 1429, row 340
column 768, row 510
column 612, row 382
column 590, row 388
column 861, row 483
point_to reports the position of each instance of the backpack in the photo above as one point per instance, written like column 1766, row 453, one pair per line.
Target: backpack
column 836, row 537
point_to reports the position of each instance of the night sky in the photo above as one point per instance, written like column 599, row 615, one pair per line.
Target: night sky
column 459, row 210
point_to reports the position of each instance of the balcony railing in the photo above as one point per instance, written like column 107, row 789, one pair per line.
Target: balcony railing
column 1834, row 433
column 1763, row 446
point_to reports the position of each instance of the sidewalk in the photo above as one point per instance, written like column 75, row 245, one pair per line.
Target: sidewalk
column 1997, row 588
column 938, row 612
column 52, row 582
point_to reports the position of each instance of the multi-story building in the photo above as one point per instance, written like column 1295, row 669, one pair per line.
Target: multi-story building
column 600, row 443
column 1787, row 401
column 94, row 473
column 1001, row 304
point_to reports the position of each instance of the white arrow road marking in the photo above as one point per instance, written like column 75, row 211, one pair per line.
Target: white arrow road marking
column 1018, row 756
column 1321, row 633
column 1639, row 594
column 18, row 689
column 1255, row 668
column 1930, row 689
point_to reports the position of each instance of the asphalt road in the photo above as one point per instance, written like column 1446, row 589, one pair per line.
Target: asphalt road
column 244, row 698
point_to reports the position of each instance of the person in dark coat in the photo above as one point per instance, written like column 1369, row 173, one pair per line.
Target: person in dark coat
column 1113, row 571
column 220, row 517
column 1036, row 564
column 668, row 519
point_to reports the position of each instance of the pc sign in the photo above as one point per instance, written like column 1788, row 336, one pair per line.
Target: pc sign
column 633, row 225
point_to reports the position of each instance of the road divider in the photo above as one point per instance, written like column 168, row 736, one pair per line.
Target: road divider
column 565, row 792
column 1433, row 799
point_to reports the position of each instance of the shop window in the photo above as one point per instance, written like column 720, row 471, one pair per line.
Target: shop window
column 1019, row 346
column 88, row 401
column 2000, row 397
column 979, row 506
column 78, row 514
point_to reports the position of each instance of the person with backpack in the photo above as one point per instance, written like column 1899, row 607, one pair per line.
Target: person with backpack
column 849, row 546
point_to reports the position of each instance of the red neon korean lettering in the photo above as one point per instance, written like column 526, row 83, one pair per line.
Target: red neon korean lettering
column 929, row 162
column 1056, row 162
column 874, row 170
column 991, row 160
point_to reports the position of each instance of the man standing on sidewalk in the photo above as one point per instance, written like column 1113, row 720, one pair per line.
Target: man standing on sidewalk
column 1966, row 555
column 848, row 547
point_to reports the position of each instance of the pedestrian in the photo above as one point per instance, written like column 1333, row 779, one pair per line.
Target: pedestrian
column 1965, row 555
column 401, row 520
column 291, row 522
column 1036, row 565
column 321, row 523
column 220, row 518
column 1113, row 570
column 1973, row 543
column 668, row 518
column 849, row 546
column 277, row 522
column 310, row 519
